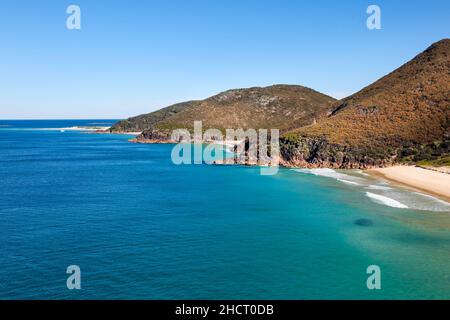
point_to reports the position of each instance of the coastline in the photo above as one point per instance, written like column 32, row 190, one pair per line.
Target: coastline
column 149, row 141
column 432, row 182
column 106, row 131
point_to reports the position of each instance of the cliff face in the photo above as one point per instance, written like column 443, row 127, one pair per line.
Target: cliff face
column 318, row 152
column 404, row 116
column 276, row 107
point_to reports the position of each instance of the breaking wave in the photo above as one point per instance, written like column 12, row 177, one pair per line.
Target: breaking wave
column 383, row 192
column 330, row 173
column 386, row 201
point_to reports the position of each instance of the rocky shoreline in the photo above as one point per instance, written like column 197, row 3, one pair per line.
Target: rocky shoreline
column 406, row 175
column 152, row 141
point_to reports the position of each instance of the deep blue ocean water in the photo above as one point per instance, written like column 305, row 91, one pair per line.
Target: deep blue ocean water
column 141, row 227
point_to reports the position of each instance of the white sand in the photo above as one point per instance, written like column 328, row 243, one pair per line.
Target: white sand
column 433, row 182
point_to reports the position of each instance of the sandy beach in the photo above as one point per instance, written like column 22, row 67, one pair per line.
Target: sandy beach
column 429, row 181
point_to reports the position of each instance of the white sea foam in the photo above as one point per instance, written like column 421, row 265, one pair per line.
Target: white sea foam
column 378, row 187
column 330, row 173
column 349, row 182
column 302, row 170
column 325, row 172
column 434, row 199
column 362, row 172
column 386, row 194
column 386, row 201
column 75, row 128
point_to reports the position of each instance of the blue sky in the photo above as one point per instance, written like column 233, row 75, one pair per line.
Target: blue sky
column 136, row 56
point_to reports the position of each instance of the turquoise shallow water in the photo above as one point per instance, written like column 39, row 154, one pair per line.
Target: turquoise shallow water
column 140, row 227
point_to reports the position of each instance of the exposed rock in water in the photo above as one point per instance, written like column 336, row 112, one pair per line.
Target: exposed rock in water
column 154, row 136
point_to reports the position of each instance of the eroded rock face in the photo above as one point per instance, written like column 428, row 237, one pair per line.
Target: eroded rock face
column 317, row 152
column 154, row 136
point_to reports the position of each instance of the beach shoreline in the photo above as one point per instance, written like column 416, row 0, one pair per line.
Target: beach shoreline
column 431, row 182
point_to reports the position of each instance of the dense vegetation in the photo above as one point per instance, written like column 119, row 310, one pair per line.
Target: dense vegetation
column 403, row 117
column 280, row 106
column 145, row 121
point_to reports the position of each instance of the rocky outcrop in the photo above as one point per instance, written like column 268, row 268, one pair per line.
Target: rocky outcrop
column 154, row 136
column 317, row 152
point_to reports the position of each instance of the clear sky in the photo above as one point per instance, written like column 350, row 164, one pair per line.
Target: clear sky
column 136, row 56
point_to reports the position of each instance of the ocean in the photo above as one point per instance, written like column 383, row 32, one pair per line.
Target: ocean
column 140, row 227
